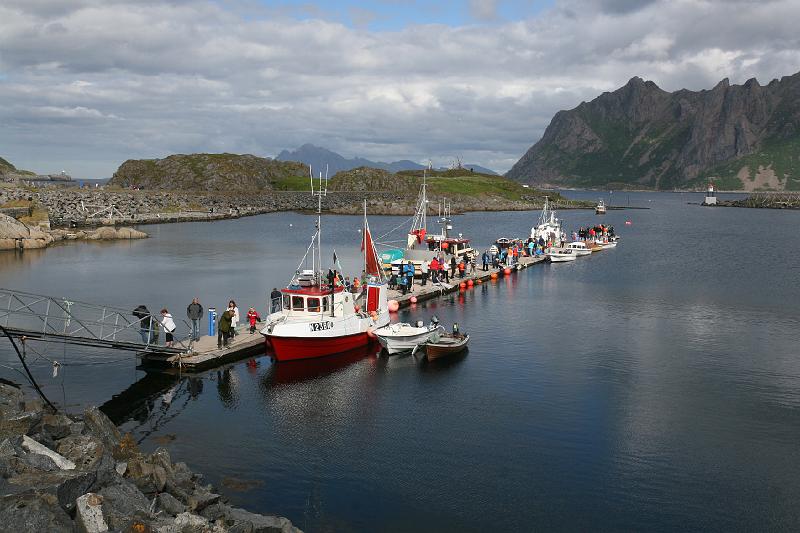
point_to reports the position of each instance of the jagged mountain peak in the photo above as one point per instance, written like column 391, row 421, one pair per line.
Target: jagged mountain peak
column 747, row 136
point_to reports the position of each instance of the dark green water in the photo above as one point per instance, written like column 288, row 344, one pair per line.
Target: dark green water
column 651, row 387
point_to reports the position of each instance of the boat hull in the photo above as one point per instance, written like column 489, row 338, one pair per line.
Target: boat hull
column 405, row 344
column 299, row 348
column 442, row 349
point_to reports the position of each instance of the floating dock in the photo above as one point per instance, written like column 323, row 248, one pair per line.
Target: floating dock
column 205, row 354
column 434, row 290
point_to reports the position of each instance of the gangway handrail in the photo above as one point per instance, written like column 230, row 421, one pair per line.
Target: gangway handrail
column 72, row 321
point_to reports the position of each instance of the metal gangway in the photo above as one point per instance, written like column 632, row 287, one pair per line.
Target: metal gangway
column 31, row 316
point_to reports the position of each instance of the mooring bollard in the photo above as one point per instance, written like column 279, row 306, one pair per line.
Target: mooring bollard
column 212, row 321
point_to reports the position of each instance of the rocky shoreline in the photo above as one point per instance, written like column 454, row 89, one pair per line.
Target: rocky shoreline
column 63, row 474
column 90, row 207
column 14, row 235
column 765, row 200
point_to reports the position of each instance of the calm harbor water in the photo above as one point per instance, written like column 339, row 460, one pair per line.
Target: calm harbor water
column 651, row 387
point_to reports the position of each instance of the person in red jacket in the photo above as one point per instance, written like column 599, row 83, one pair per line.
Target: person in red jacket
column 253, row 317
column 434, row 269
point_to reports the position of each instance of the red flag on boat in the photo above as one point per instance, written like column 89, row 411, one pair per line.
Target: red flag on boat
column 371, row 259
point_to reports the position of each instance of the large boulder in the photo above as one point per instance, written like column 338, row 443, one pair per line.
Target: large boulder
column 33, row 511
column 99, row 424
column 122, row 502
column 19, row 424
column 89, row 514
column 11, row 399
column 260, row 523
column 83, row 450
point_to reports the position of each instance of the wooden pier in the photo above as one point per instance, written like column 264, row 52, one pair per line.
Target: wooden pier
column 434, row 290
column 205, row 354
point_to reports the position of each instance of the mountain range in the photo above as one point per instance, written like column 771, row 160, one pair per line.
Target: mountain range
column 741, row 137
column 317, row 158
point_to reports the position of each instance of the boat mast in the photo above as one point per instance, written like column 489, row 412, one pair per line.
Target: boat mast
column 316, row 258
column 364, row 235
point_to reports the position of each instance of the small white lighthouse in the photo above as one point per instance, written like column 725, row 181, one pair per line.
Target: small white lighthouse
column 711, row 197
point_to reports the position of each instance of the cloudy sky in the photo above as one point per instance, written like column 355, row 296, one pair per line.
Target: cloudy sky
column 86, row 84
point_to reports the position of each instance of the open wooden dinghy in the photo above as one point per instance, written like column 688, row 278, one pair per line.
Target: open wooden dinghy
column 446, row 344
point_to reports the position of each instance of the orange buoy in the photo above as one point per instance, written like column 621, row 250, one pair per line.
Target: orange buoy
column 357, row 308
column 445, row 246
column 479, row 282
column 394, row 305
column 470, row 283
column 494, row 275
column 507, row 271
column 413, row 299
column 462, row 285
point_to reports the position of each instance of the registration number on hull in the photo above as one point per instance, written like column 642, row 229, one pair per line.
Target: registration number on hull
column 320, row 326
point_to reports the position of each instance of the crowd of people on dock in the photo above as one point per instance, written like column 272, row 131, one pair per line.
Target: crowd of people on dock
column 601, row 231
column 150, row 326
column 404, row 276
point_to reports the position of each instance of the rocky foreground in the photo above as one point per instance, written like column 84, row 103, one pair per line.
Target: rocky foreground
column 65, row 474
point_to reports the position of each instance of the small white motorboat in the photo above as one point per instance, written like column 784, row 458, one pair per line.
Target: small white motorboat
column 403, row 337
column 561, row 255
column 600, row 208
column 579, row 248
column 609, row 244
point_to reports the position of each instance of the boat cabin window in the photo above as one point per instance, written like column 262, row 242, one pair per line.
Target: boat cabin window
column 286, row 302
column 297, row 303
column 313, row 305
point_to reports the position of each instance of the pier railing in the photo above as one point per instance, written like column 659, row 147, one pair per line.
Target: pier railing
column 46, row 318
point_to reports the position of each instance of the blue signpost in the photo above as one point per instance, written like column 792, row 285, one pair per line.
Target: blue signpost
column 212, row 321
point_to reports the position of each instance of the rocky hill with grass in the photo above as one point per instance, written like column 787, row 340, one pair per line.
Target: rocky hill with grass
column 8, row 172
column 463, row 189
column 743, row 137
column 210, row 172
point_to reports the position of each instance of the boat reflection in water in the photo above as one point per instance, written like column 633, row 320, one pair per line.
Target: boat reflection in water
column 309, row 369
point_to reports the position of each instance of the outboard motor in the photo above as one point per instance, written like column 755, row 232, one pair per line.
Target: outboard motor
column 420, row 323
column 455, row 328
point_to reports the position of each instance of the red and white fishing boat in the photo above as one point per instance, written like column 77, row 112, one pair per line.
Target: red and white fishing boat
column 319, row 317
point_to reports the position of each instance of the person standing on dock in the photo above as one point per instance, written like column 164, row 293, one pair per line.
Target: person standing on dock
column 195, row 312
column 169, row 327
column 424, row 269
column 235, row 318
column 485, row 260
column 143, row 314
column 402, row 280
column 224, row 328
column 275, row 300
column 252, row 318
column 453, row 267
column 434, row 270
